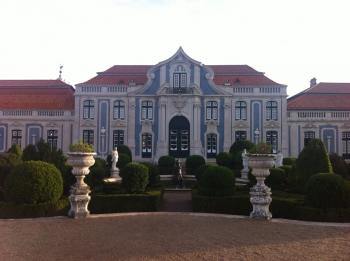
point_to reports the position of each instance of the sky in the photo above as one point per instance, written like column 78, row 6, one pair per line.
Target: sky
column 291, row 41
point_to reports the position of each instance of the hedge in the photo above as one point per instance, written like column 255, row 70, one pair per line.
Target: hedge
column 48, row 209
column 193, row 162
column 283, row 205
column 114, row 203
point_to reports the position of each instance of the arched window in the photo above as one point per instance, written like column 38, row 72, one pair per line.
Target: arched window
column 241, row 110
column 147, row 110
column 211, row 145
column 88, row 109
column 119, row 110
column 180, row 77
column 212, row 110
column 271, row 111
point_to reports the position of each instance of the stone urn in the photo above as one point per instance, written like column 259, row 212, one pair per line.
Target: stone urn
column 260, row 194
column 79, row 194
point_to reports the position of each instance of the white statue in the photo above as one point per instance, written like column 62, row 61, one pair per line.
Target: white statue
column 115, row 157
column 279, row 160
column 245, row 170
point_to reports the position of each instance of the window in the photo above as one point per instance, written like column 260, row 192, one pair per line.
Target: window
column 52, row 138
column 119, row 110
column 146, row 145
column 180, row 77
column 308, row 136
column 212, row 110
column 272, row 139
column 16, row 137
column 147, row 110
column 241, row 110
column 271, row 111
column 211, row 145
column 88, row 109
column 240, row 135
column 346, row 144
column 118, row 138
column 88, row 137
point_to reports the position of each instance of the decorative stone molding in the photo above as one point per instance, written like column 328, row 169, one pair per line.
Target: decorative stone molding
column 309, row 125
column 119, row 123
column 147, row 126
column 260, row 194
column 272, row 124
column 79, row 194
column 240, row 125
column 180, row 102
column 88, row 123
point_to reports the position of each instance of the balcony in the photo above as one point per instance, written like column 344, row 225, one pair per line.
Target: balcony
column 180, row 90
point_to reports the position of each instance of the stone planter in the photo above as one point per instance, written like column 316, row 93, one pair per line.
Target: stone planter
column 260, row 194
column 79, row 194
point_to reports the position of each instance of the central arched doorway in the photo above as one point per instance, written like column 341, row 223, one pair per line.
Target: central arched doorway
column 179, row 137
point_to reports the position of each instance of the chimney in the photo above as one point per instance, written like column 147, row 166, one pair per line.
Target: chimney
column 313, row 82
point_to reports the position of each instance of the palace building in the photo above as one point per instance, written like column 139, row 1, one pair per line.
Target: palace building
column 178, row 107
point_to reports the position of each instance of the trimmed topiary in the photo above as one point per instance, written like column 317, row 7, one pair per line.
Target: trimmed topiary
column 153, row 174
column 123, row 160
column 166, row 165
column 123, row 149
column 81, row 147
column 240, row 145
column 224, row 159
column 135, row 178
column 199, row 171
column 34, row 182
column 289, row 161
column 7, row 164
column 277, row 178
column 326, row 190
column 216, row 181
column 313, row 159
column 339, row 165
column 193, row 162
column 30, row 152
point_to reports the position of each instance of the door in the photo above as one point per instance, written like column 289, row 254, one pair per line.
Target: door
column 179, row 137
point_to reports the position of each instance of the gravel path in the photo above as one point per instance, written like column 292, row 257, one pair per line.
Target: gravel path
column 169, row 236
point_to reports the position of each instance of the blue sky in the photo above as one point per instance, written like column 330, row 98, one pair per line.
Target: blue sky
column 292, row 41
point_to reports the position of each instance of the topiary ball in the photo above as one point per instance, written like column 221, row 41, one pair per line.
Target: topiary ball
column 153, row 173
column 123, row 149
column 135, row 177
column 224, row 159
column 193, row 162
column 326, row 190
column 216, row 181
column 123, row 160
column 34, row 182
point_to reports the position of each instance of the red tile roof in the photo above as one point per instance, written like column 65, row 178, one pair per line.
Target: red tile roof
column 36, row 94
column 322, row 96
column 234, row 74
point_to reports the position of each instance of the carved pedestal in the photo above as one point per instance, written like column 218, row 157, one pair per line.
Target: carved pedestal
column 260, row 194
column 79, row 194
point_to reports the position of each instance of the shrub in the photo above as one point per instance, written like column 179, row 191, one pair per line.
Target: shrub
column 30, row 153
column 123, row 149
column 200, row 171
column 34, row 182
column 193, row 162
column 81, row 147
column 15, row 149
column 339, row 165
column 217, row 181
column 153, row 174
column 98, row 172
column 123, row 160
column 7, row 163
column 291, row 175
column 277, row 178
column 289, row 161
column 224, row 159
column 166, row 165
column 313, row 159
column 240, row 145
column 326, row 190
column 261, row 148
column 135, row 177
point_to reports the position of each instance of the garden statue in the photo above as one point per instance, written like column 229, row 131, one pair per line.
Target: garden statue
column 279, row 160
column 114, row 169
column 179, row 175
column 245, row 170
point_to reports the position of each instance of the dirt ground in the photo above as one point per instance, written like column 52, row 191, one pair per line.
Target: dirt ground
column 170, row 236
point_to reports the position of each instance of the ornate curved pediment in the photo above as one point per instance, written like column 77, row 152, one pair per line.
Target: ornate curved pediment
column 240, row 125
column 180, row 102
column 272, row 125
column 309, row 125
column 118, row 123
column 88, row 123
